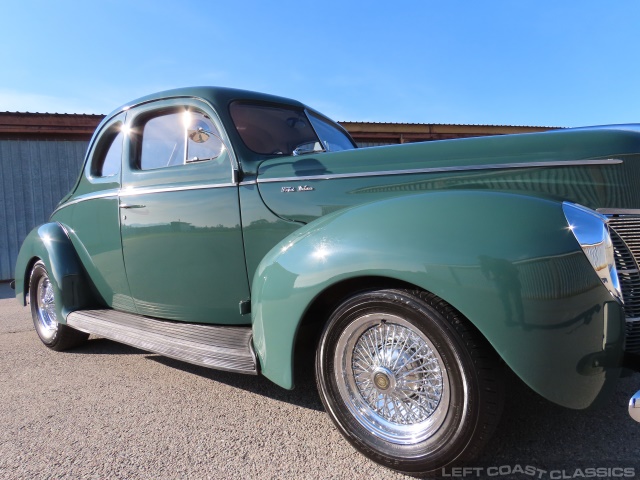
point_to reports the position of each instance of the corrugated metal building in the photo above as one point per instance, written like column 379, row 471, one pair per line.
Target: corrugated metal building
column 372, row 134
column 41, row 155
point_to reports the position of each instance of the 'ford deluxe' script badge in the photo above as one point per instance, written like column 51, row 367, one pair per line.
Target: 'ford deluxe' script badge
column 299, row 188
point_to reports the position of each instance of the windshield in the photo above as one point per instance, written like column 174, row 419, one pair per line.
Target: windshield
column 283, row 130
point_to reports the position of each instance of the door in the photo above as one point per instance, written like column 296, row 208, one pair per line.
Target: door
column 181, row 235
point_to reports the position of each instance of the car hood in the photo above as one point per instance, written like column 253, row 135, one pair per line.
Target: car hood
column 598, row 167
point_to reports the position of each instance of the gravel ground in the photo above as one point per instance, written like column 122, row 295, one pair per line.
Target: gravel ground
column 106, row 411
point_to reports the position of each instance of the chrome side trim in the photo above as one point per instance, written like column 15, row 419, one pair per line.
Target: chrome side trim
column 143, row 191
column 93, row 196
column 491, row 166
column 85, row 198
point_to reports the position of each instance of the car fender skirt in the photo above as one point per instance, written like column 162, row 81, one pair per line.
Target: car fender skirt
column 51, row 244
column 507, row 262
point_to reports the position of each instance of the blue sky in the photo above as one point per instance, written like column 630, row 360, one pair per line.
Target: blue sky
column 508, row 62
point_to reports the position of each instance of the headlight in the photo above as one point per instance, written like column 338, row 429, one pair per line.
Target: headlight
column 591, row 231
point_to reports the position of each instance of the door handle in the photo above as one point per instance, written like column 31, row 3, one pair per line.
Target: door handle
column 125, row 205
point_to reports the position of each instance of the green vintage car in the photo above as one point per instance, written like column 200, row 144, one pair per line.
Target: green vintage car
column 230, row 229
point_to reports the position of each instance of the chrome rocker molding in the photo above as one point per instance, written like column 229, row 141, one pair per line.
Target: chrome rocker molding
column 212, row 346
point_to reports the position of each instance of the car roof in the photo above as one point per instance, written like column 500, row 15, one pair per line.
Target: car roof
column 218, row 97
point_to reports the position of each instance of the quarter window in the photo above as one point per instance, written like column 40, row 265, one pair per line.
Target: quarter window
column 107, row 162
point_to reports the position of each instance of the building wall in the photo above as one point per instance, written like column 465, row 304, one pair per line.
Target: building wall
column 34, row 176
column 370, row 134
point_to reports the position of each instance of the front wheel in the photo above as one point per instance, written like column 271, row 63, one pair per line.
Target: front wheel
column 42, row 299
column 407, row 381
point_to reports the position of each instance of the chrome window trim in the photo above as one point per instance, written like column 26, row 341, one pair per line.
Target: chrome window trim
column 490, row 166
column 235, row 163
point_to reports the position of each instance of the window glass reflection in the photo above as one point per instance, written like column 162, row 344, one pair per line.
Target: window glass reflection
column 179, row 138
column 163, row 142
column 108, row 164
column 273, row 130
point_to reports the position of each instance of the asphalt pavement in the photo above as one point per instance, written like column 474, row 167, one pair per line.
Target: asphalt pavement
column 108, row 411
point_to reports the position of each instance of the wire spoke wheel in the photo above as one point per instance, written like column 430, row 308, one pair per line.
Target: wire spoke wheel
column 408, row 381
column 391, row 378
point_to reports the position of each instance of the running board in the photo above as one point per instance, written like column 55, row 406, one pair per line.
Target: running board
column 223, row 348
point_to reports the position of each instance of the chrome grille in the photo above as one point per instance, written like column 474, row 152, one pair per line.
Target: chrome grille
column 625, row 235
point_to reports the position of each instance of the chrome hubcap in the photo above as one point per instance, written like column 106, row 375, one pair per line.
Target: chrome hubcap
column 391, row 378
column 46, row 308
column 382, row 379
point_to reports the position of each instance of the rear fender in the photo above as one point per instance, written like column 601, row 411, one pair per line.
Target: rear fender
column 51, row 244
column 507, row 262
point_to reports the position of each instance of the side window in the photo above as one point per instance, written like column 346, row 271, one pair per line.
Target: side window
column 178, row 138
column 162, row 142
column 106, row 162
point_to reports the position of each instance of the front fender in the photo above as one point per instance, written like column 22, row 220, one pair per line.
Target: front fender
column 50, row 243
column 507, row 262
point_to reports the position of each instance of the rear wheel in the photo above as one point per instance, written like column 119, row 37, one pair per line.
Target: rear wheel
column 42, row 299
column 407, row 381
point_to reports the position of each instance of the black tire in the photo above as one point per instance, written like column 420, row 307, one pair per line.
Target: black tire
column 408, row 381
column 53, row 334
